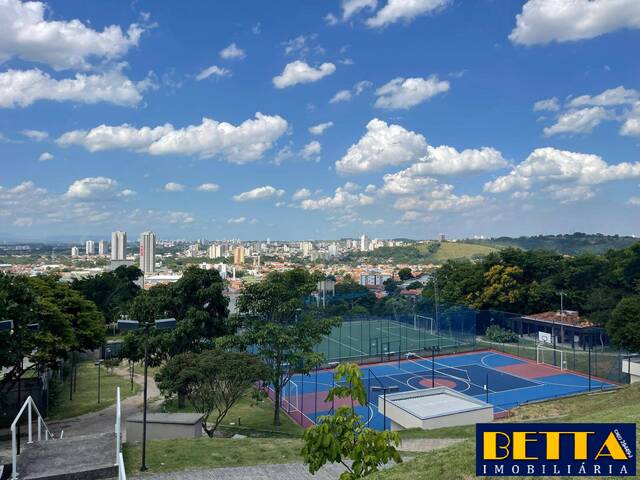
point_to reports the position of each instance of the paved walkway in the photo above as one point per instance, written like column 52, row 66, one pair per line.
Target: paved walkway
column 102, row 421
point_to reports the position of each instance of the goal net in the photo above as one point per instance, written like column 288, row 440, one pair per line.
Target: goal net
column 423, row 322
column 551, row 356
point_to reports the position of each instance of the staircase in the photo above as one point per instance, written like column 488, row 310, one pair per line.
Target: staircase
column 82, row 457
column 74, row 458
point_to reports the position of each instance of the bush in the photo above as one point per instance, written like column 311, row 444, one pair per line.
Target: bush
column 496, row 333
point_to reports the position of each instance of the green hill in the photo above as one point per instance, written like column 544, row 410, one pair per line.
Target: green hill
column 569, row 244
column 423, row 252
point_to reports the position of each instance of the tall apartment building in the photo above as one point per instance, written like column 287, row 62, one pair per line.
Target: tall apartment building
column 103, row 247
column 75, row 252
column 118, row 245
column 238, row 255
column 364, row 243
column 217, row 250
column 89, row 247
column 148, row 252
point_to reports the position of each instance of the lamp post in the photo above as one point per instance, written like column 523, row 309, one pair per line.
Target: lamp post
column 384, row 390
column 98, row 364
column 130, row 325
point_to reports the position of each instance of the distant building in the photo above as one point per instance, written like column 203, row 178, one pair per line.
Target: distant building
column 373, row 280
column 441, row 237
column 75, row 252
column 118, row 245
column 148, row 252
column 364, row 243
column 103, row 247
column 238, row 255
column 333, row 250
column 217, row 251
column 89, row 247
column 306, row 248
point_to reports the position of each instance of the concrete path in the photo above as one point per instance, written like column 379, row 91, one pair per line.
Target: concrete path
column 427, row 444
column 102, row 421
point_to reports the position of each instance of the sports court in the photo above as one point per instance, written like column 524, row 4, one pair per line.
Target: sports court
column 360, row 339
column 503, row 380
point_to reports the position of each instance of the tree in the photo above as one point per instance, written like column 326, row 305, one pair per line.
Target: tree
column 213, row 381
column 405, row 274
column 198, row 304
column 66, row 322
column 624, row 325
column 391, row 286
column 111, row 291
column 272, row 323
column 343, row 436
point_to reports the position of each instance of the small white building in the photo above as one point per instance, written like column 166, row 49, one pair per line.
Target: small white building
column 433, row 408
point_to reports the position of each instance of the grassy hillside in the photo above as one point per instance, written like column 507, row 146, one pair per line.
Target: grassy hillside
column 572, row 244
column 458, row 461
column 426, row 252
column 453, row 250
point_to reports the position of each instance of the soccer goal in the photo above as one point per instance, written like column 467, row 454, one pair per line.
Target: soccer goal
column 549, row 356
column 423, row 322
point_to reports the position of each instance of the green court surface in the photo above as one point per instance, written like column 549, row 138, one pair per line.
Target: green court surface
column 361, row 339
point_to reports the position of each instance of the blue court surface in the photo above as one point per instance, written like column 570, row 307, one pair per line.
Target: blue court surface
column 502, row 380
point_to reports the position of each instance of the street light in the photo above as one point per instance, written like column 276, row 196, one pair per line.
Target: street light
column 130, row 325
column 97, row 364
column 384, row 390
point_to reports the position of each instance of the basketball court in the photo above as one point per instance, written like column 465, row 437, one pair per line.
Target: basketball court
column 502, row 380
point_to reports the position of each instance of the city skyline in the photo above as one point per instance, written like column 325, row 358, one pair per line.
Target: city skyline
column 219, row 121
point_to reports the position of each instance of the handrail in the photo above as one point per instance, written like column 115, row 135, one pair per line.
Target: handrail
column 29, row 402
column 118, row 427
column 122, row 473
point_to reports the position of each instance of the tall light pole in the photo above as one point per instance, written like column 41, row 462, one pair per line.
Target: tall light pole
column 384, row 390
column 145, row 327
column 98, row 364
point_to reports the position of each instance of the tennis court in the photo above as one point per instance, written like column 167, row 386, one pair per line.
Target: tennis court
column 372, row 337
column 503, row 380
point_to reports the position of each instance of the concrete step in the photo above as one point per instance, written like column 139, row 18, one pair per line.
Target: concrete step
column 74, row 458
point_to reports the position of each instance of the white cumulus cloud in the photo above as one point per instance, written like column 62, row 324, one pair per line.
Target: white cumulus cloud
column 213, row 70
column 45, row 157
column 320, row 128
column 302, row 194
column 208, row 187
column 548, row 104
column 545, row 21
column 401, row 93
column 259, row 193
column 405, row 10
column 21, row 88
column 92, row 188
column 35, row 135
column 383, row 145
column 583, row 120
column 26, row 34
column 298, row 72
column 343, row 197
column 243, row 143
column 174, row 187
column 550, row 165
column 232, row 52
column 312, row 151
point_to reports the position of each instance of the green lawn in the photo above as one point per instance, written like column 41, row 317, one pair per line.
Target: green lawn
column 85, row 398
column 256, row 419
column 205, row 452
column 458, row 461
column 453, row 250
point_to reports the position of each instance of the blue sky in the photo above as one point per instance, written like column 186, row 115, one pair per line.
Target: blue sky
column 465, row 117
